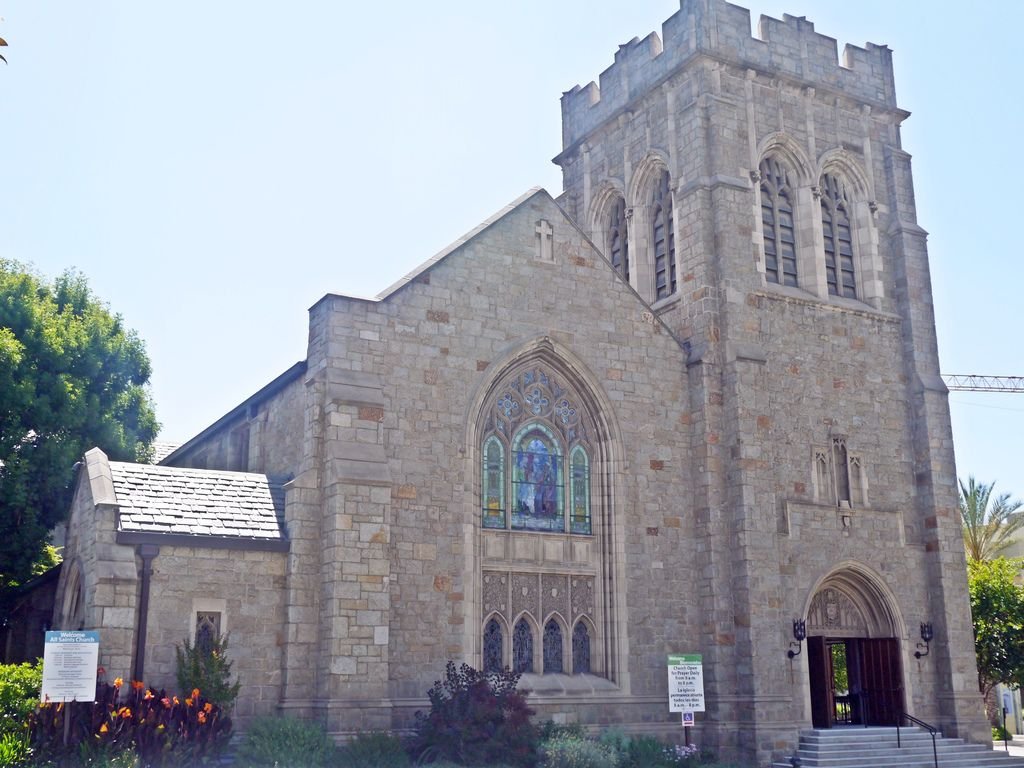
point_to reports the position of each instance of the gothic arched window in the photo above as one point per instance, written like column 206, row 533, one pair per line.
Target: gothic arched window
column 618, row 238
column 494, row 483
column 580, row 649
column 663, row 239
column 522, row 647
column 579, row 491
column 552, row 647
column 494, row 647
column 835, row 225
column 777, row 223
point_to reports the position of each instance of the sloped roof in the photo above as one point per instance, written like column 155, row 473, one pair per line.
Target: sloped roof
column 162, row 449
column 197, row 502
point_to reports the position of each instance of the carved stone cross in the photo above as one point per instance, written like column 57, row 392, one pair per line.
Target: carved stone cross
column 545, row 249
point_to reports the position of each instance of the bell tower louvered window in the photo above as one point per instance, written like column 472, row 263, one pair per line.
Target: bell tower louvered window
column 777, row 223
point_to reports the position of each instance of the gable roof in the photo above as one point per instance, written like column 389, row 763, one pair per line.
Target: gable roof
column 197, row 507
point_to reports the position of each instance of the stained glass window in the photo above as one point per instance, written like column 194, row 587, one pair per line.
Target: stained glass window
column 579, row 487
column 537, row 484
column 494, row 484
column 842, row 469
column 777, row 224
column 494, row 647
column 207, row 630
column 618, row 239
column 552, row 648
column 522, row 647
column 663, row 239
column 580, row 649
column 835, row 224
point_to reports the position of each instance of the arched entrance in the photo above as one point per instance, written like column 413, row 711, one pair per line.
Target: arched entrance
column 853, row 654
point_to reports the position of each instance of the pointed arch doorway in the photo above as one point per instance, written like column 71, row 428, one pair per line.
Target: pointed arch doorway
column 853, row 654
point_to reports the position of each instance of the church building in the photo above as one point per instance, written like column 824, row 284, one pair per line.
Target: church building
column 690, row 405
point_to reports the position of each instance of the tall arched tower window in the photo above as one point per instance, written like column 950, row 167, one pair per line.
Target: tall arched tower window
column 777, row 223
column 663, row 238
column 618, row 238
column 835, row 225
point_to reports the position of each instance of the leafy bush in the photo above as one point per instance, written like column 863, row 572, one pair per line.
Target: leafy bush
column 549, row 730
column 574, row 752
column 19, row 694
column 374, row 749
column 285, row 742
column 476, row 718
column 160, row 730
column 207, row 669
column 15, row 751
column 1000, row 734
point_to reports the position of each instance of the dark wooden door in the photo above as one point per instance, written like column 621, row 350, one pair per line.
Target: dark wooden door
column 880, row 680
column 819, row 667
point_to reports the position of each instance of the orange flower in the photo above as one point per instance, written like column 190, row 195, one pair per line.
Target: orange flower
column 195, row 693
column 118, row 682
column 138, row 685
column 124, row 712
column 188, row 702
column 202, row 717
column 103, row 728
column 166, row 702
column 176, row 702
column 148, row 696
column 207, row 707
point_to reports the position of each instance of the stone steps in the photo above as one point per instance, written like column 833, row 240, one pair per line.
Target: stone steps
column 877, row 748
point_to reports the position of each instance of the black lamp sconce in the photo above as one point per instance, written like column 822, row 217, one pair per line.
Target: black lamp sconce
column 799, row 634
column 927, row 633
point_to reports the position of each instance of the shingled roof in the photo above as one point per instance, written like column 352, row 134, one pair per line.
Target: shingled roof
column 197, row 502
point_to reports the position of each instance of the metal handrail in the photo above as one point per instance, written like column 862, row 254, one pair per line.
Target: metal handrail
column 927, row 726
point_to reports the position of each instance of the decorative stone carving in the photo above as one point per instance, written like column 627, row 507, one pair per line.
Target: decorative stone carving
column 555, row 595
column 582, row 596
column 833, row 611
column 537, row 394
column 495, row 592
column 524, row 594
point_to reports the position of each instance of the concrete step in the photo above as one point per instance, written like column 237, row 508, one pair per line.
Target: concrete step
column 877, row 748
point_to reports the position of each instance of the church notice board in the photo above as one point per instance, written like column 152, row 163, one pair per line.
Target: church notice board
column 69, row 666
column 685, row 682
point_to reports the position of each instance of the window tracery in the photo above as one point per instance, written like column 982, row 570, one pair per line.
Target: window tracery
column 838, row 236
column 580, row 649
column 522, row 647
column 663, row 239
column 552, row 648
column 494, row 647
column 618, row 238
column 778, row 223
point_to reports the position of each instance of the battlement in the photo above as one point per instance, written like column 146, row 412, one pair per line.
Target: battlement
column 789, row 47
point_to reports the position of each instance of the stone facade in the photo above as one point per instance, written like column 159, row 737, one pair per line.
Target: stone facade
column 748, row 419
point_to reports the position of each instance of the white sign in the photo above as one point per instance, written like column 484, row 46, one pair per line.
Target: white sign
column 685, row 683
column 69, row 666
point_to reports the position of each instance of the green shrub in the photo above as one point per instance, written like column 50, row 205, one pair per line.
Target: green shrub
column 648, row 752
column 19, row 694
column 574, row 752
column 477, row 719
column 374, row 749
column 207, row 669
column 1000, row 734
column 549, row 730
column 15, row 751
column 285, row 742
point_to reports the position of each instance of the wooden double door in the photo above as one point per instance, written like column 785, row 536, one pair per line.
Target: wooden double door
column 854, row 681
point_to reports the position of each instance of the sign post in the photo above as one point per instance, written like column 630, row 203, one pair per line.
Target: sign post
column 686, row 687
column 69, row 666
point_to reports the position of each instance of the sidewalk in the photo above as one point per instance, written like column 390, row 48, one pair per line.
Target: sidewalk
column 1016, row 747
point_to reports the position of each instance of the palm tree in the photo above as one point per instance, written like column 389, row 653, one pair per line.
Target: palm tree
column 989, row 522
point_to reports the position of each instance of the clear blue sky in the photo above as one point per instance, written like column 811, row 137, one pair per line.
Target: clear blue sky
column 216, row 167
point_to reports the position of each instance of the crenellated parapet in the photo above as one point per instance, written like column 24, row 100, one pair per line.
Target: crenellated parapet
column 787, row 48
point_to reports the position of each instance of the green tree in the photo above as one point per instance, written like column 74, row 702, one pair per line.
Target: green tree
column 997, row 609
column 71, row 377
column 989, row 522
